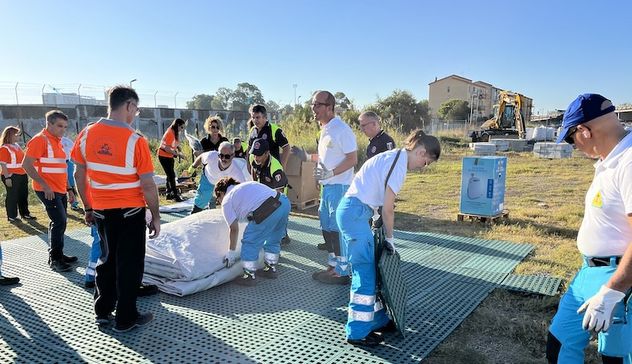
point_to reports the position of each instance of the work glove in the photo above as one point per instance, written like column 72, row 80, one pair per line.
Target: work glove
column 321, row 173
column 389, row 245
column 230, row 258
column 599, row 309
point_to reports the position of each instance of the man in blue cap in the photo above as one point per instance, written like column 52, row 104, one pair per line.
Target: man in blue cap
column 598, row 295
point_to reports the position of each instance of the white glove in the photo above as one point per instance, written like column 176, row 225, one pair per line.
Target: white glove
column 599, row 309
column 389, row 245
column 230, row 258
column 321, row 173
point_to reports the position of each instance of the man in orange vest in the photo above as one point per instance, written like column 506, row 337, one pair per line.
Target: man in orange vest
column 116, row 162
column 45, row 162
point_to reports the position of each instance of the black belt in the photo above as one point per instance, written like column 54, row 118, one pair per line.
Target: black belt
column 266, row 209
column 602, row 261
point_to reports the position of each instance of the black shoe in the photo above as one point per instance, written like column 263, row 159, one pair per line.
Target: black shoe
column 142, row 320
column 329, row 278
column 59, row 266
column 103, row 321
column 68, row 259
column 170, row 196
column 29, row 217
column 388, row 328
column 196, row 210
column 178, row 198
column 371, row 340
column 89, row 284
column 286, row 240
column 147, row 290
column 268, row 271
column 14, row 219
column 9, row 281
column 323, row 246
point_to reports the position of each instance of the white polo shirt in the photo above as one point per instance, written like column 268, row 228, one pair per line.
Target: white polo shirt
column 368, row 184
column 238, row 169
column 336, row 140
column 605, row 230
column 244, row 198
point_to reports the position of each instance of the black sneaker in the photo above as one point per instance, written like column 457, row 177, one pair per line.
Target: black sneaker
column 170, row 196
column 89, row 284
column 332, row 278
column 178, row 198
column 388, row 328
column 269, row 271
column 323, row 246
column 286, row 240
column 147, row 290
column 104, row 320
column 142, row 320
column 14, row 219
column 9, row 281
column 29, row 217
column 59, row 266
column 69, row 259
column 247, row 279
column 371, row 340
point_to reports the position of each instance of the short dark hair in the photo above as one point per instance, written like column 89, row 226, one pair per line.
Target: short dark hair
column 119, row 95
column 223, row 184
column 258, row 108
column 53, row 115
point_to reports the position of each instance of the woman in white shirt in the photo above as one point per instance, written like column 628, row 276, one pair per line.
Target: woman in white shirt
column 266, row 211
column 375, row 185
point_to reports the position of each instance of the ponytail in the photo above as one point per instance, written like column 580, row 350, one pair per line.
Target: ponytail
column 418, row 138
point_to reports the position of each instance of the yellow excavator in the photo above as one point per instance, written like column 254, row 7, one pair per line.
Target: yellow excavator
column 509, row 118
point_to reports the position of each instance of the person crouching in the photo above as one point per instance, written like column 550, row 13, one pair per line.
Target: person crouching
column 266, row 211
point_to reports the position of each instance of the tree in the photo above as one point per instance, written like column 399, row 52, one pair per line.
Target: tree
column 272, row 106
column 454, row 110
column 342, row 101
column 245, row 95
column 201, row 102
column 401, row 110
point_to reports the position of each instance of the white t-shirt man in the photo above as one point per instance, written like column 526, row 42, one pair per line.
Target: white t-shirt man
column 238, row 169
column 368, row 184
column 336, row 140
column 244, row 198
column 605, row 229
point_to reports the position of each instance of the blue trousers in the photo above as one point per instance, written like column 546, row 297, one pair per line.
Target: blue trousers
column 366, row 313
column 70, row 168
column 204, row 196
column 329, row 200
column 0, row 260
column 95, row 254
column 567, row 323
column 56, row 211
column 267, row 234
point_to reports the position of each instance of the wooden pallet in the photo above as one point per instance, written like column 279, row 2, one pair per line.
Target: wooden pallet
column 303, row 205
column 482, row 218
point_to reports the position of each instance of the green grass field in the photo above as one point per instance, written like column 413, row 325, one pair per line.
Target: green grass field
column 545, row 200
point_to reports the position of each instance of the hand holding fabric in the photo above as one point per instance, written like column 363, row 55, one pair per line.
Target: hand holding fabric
column 389, row 245
column 230, row 258
column 599, row 309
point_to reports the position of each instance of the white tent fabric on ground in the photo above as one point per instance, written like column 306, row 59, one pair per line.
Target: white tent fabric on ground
column 188, row 255
column 186, row 205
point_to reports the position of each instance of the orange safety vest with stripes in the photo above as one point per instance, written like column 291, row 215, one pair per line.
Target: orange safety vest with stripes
column 115, row 157
column 50, row 161
column 168, row 140
column 12, row 158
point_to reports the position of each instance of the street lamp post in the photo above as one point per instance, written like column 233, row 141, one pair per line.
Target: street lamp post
column 155, row 102
column 131, row 82
column 175, row 100
column 79, row 93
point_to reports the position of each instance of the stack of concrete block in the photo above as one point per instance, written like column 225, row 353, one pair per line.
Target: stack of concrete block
column 483, row 149
column 552, row 150
column 518, row 145
column 502, row 145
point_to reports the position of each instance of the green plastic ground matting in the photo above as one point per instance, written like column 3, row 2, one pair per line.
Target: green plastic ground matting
column 293, row 319
column 543, row 285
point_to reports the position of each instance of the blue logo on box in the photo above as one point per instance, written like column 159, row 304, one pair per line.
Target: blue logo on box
column 490, row 188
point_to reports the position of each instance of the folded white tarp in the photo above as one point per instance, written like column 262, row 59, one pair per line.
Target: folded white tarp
column 187, row 256
column 186, row 205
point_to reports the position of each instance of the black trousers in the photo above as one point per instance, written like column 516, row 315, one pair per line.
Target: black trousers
column 17, row 195
column 56, row 210
column 168, row 164
column 122, row 235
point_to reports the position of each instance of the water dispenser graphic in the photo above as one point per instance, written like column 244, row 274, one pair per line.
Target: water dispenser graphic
column 475, row 187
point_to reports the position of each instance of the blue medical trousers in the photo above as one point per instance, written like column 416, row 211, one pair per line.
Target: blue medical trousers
column 95, row 253
column 365, row 312
column 267, row 234
column 56, row 211
column 204, row 195
column 329, row 200
column 567, row 323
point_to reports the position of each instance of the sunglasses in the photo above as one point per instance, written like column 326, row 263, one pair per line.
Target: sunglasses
column 317, row 104
column 215, row 127
column 225, row 156
column 571, row 132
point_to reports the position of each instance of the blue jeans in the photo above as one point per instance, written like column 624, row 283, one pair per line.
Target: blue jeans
column 567, row 323
column 366, row 313
column 330, row 198
column 204, row 196
column 56, row 211
column 95, row 254
column 267, row 234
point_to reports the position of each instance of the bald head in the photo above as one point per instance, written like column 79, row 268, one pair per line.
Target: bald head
column 323, row 104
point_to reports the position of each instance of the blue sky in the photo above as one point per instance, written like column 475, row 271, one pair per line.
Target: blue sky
column 548, row 50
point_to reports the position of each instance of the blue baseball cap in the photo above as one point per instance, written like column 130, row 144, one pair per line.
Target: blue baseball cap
column 259, row 146
column 583, row 109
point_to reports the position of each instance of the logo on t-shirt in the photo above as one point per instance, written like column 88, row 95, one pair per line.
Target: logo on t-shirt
column 389, row 145
column 105, row 149
column 278, row 177
column 597, row 200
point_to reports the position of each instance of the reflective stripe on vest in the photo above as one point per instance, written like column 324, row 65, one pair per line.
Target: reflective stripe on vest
column 50, row 159
column 127, row 170
column 14, row 163
column 273, row 130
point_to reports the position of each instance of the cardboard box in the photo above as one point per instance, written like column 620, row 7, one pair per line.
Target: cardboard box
column 483, row 185
column 293, row 167
column 304, row 186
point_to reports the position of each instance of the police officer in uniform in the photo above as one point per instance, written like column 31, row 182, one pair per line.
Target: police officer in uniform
column 262, row 129
column 379, row 141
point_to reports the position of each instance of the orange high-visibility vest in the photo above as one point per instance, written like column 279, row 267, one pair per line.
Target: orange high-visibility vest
column 168, row 140
column 13, row 160
column 50, row 161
